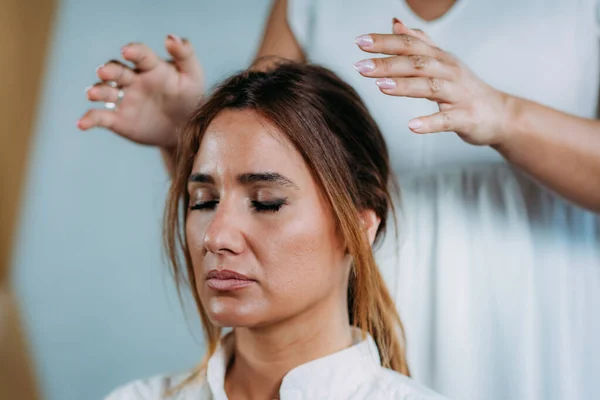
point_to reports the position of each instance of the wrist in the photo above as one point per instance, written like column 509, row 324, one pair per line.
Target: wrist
column 511, row 121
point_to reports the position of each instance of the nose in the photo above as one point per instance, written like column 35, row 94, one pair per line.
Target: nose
column 224, row 233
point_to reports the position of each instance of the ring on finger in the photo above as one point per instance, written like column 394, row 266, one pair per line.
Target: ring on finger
column 120, row 95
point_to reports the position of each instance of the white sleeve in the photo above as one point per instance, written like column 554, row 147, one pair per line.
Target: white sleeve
column 300, row 17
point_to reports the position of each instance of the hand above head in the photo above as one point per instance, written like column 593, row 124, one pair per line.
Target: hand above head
column 158, row 95
column 417, row 68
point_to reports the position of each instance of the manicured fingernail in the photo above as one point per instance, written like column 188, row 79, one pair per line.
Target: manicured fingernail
column 365, row 66
column 396, row 21
column 386, row 83
column 415, row 123
column 364, row 41
column 174, row 37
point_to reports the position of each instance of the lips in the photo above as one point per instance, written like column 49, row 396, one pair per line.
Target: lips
column 227, row 280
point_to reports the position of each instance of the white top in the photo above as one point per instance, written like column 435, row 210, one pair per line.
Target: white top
column 354, row 373
column 498, row 281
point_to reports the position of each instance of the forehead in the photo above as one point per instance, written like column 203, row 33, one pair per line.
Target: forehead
column 241, row 141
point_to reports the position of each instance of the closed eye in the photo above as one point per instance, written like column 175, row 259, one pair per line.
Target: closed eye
column 206, row 205
column 272, row 206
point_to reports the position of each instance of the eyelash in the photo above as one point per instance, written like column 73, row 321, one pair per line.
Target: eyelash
column 273, row 206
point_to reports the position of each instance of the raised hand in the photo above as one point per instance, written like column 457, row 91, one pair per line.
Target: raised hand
column 417, row 68
column 158, row 94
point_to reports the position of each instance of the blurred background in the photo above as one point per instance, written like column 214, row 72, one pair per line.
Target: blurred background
column 86, row 299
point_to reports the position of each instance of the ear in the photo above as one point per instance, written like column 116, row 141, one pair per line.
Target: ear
column 370, row 222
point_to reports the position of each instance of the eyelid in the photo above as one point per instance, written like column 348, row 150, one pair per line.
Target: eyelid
column 269, row 206
column 267, row 194
column 201, row 192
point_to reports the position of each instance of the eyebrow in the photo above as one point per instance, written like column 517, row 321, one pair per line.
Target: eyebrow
column 249, row 178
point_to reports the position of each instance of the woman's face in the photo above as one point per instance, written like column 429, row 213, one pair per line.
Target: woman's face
column 255, row 210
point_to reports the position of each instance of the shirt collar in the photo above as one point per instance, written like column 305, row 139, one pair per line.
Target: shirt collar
column 342, row 372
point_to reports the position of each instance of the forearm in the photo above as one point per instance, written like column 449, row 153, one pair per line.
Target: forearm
column 559, row 150
column 278, row 40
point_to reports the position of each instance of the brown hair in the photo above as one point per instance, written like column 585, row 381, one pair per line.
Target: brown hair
column 330, row 126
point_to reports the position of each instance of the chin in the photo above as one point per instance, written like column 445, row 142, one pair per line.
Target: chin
column 232, row 313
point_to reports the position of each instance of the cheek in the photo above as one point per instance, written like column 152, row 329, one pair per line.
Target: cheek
column 301, row 256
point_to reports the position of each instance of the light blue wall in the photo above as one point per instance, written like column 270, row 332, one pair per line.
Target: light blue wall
column 96, row 294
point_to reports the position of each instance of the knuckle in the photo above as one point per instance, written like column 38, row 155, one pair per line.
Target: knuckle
column 377, row 40
column 107, row 93
column 418, row 62
column 446, row 121
column 434, row 85
column 383, row 64
column 112, row 70
column 142, row 55
column 407, row 40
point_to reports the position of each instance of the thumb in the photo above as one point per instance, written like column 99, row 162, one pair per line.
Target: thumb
column 183, row 54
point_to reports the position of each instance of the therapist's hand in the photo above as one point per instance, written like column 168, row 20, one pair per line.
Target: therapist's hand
column 159, row 94
column 415, row 67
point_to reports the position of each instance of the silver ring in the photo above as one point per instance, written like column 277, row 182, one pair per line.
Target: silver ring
column 120, row 94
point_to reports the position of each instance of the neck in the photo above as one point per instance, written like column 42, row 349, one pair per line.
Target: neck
column 431, row 9
column 263, row 356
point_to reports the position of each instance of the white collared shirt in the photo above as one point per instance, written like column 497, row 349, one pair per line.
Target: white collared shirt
column 351, row 374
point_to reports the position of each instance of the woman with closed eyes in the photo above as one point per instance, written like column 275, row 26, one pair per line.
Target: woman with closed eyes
column 490, row 113
column 276, row 200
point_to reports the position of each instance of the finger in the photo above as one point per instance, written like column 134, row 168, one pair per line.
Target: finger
column 183, row 54
column 404, row 66
column 402, row 44
column 114, row 70
column 141, row 55
column 102, row 91
column 399, row 28
column 97, row 118
column 443, row 121
column 433, row 89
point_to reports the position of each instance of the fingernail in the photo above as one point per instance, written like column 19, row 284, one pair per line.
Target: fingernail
column 99, row 66
column 415, row 124
column 365, row 66
column 174, row 37
column 123, row 48
column 386, row 83
column 364, row 41
column 396, row 21
column 88, row 88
